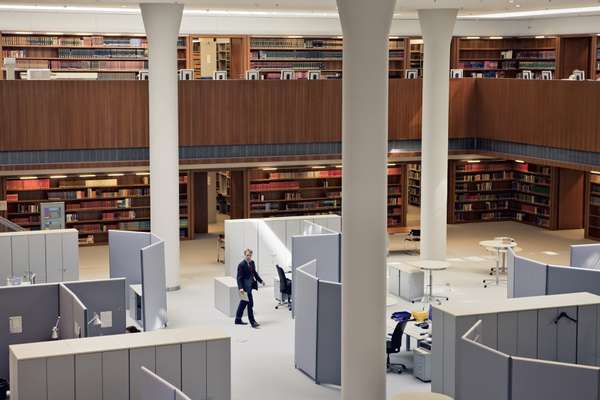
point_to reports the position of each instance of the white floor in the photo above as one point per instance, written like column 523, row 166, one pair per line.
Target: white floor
column 262, row 360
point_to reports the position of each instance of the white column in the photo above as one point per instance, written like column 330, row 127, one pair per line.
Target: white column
column 365, row 25
column 162, row 22
column 436, row 26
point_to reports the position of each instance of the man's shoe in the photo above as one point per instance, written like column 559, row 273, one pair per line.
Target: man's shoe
column 240, row 322
column 255, row 325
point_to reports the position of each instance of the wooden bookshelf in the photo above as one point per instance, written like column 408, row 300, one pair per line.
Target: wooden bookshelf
column 307, row 191
column 414, row 183
column 505, row 58
column 93, row 204
column 223, row 188
column 112, row 57
column 415, row 51
column 503, row 190
column 592, row 213
column 596, row 57
column 270, row 55
column 210, row 54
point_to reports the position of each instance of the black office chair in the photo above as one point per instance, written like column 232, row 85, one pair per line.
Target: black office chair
column 392, row 346
column 285, row 289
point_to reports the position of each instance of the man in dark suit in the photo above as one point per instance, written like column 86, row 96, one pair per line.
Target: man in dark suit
column 247, row 278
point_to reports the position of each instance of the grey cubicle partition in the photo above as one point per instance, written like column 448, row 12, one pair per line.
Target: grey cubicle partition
column 36, row 306
column 53, row 256
column 585, row 256
column 153, row 387
column 317, row 350
column 531, row 327
column 525, row 277
column 154, row 293
column 495, row 375
column 484, row 367
column 570, row 280
column 73, row 314
column 106, row 298
column 124, row 254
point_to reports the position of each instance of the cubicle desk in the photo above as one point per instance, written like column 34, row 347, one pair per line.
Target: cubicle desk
column 522, row 327
column 195, row 360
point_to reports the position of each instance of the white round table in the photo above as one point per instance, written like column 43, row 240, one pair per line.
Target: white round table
column 430, row 266
column 500, row 246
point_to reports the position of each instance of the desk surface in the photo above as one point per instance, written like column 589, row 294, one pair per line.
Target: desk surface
column 115, row 342
column 518, row 304
column 411, row 329
column 497, row 244
column 433, row 265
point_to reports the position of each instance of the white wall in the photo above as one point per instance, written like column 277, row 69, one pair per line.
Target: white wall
column 51, row 21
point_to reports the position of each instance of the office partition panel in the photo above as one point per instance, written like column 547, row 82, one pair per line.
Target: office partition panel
column 529, row 277
column 70, row 254
column 153, row 387
column 29, row 312
column 585, row 256
column 538, row 379
column 124, row 254
column 6, row 259
column 306, row 308
column 485, row 372
column 80, row 318
column 572, row 280
column 154, row 293
column 105, row 298
column 66, row 327
column 329, row 333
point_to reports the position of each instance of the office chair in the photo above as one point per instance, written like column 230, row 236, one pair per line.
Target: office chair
column 414, row 237
column 285, row 289
column 392, row 346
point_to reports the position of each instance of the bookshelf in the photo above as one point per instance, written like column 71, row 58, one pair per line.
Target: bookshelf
column 270, row 55
column 94, row 203
column 414, row 184
column 210, row 54
column 223, row 189
column 505, row 57
column 111, row 56
column 503, row 190
column 592, row 225
column 309, row 191
column 596, row 57
column 415, row 47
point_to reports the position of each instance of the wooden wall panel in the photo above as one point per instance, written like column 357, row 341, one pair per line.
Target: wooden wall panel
column 404, row 113
column 41, row 115
column 562, row 114
column 575, row 53
column 249, row 112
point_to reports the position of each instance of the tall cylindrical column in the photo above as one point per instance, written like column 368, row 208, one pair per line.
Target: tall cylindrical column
column 162, row 21
column 436, row 26
column 365, row 25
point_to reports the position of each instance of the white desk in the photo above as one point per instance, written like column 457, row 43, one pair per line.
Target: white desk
column 500, row 246
column 411, row 330
column 430, row 266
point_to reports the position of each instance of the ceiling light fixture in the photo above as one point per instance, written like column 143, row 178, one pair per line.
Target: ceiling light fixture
column 87, row 176
column 57, row 176
column 391, row 164
column 473, row 37
column 142, row 173
column 473, row 161
column 595, row 172
column 540, row 37
column 26, row 178
column 318, row 167
column 269, row 169
column 520, row 161
column 115, row 174
column 338, row 166
column 496, row 37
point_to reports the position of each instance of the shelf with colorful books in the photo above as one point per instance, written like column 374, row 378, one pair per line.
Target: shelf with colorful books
column 414, row 184
column 315, row 190
column 270, row 55
column 112, row 56
column 592, row 223
column 498, row 57
column 94, row 203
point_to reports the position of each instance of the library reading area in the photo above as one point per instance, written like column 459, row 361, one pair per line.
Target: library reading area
column 309, row 199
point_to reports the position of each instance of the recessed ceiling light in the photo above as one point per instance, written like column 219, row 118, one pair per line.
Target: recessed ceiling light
column 473, row 37
column 595, row 172
column 26, row 178
column 391, row 165
column 395, row 151
column 338, row 166
column 473, row 161
column 87, row 176
column 269, row 169
column 318, row 167
column 496, row 37
column 57, row 176
column 115, row 174
column 520, row 161
column 517, row 5
column 540, row 37
column 394, row 37
column 142, row 173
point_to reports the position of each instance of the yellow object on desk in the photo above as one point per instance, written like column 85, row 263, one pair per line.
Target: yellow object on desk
column 420, row 315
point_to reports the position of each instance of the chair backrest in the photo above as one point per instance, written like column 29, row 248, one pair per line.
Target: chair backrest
column 397, row 334
column 282, row 279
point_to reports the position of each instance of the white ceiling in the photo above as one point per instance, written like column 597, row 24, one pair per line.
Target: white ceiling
column 404, row 8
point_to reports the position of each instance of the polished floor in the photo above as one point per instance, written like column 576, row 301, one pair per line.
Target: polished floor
column 263, row 360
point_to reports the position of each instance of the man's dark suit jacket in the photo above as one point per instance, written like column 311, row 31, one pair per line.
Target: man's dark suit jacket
column 246, row 275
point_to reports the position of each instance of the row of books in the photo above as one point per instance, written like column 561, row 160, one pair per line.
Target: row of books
column 121, row 203
column 483, row 206
column 108, row 216
column 98, row 65
column 506, row 65
column 392, row 221
column 537, row 64
column 329, row 173
column 102, row 53
column 541, row 211
column 26, row 220
column 26, row 208
column 265, row 55
column 295, row 206
column 481, row 167
column 484, row 216
column 540, row 180
column 98, row 193
column 294, row 42
column 542, row 190
column 117, row 76
column 540, row 221
column 27, row 184
column 414, row 175
column 288, row 65
column 543, row 54
column 274, row 185
column 484, row 186
column 495, row 176
column 395, row 201
column 70, row 41
column 537, row 169
column 483, row 197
